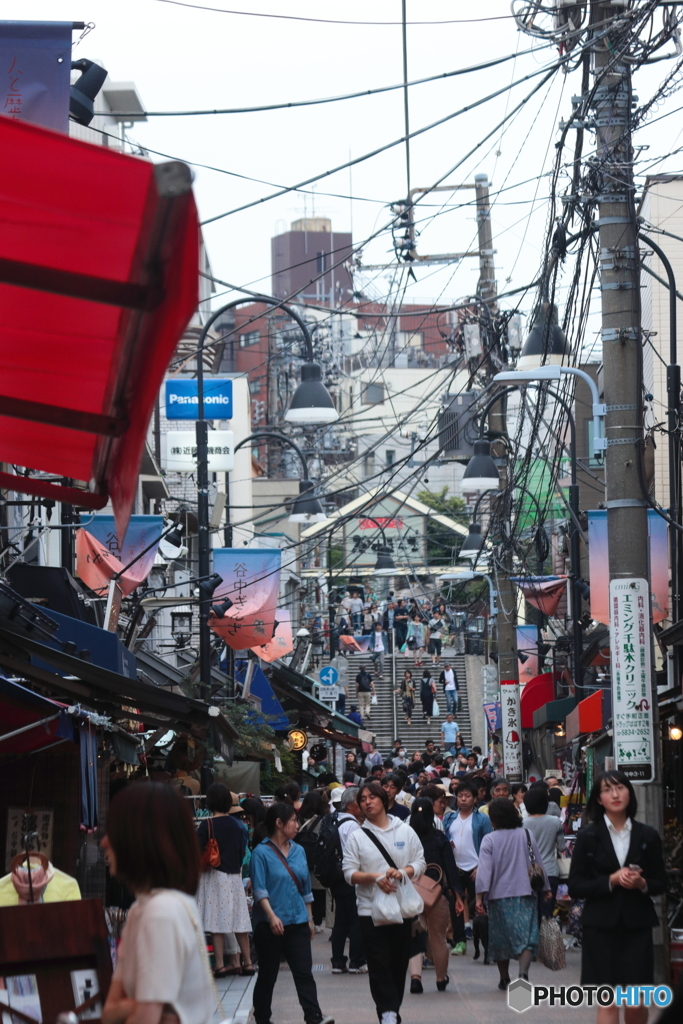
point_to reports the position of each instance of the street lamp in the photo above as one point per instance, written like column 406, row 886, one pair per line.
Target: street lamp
column 481, row 472
column 306, row 508
column 463, row 576
column 313, row 402
column 473, row 543
column 549, row 373
column 532, row 377
column 546, row 344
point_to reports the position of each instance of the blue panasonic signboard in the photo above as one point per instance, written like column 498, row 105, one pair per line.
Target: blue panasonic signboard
column 182, row 402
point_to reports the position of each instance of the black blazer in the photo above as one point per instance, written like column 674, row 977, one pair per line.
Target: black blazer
column 594, row 860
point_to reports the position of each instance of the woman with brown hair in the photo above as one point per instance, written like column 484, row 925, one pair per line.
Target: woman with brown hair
column 162, row 966
column 222, row 904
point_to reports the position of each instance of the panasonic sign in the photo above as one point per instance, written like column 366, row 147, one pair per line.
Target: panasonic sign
column 182, row 402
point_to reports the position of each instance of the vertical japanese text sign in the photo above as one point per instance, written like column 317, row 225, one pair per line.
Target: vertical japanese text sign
column 512, row 729
column 35, row 65
column 631, row 679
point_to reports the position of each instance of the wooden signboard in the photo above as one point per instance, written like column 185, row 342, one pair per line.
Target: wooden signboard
column 54, row 957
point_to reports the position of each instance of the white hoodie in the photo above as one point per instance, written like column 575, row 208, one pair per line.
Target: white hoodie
column 401, row 843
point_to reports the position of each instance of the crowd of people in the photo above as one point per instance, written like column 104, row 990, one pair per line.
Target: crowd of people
column 405, row 862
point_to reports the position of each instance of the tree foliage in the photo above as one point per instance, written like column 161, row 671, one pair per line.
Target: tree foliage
column 442, row 544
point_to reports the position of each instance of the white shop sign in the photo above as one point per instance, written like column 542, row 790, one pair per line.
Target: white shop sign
column 180, row 451
column 630, row 644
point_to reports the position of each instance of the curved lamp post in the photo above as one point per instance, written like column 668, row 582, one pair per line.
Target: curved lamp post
column 311, row 403
column 306, row 508
column 535, row 378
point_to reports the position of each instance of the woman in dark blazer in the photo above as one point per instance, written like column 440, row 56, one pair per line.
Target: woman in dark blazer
column 617, row 866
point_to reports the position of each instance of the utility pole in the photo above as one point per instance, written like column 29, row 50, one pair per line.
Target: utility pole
column 627, row 529
column 506, row 621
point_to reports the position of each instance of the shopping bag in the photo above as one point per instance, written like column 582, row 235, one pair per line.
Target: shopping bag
column 373, row 699
column 435, row 709
column 409, row 899
column 385, row 908
column 551, row 950
column 403, row 648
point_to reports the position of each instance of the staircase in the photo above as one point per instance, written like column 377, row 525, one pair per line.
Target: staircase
column 387, row 720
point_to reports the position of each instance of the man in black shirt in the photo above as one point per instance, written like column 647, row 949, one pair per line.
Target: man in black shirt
column 365, row 689
column 392, row 785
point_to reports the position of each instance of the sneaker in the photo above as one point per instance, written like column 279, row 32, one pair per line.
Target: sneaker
column 363, row 969
column 468, row 931
column 427, row 964
column 319, row 928
column 340, row 970
column 389, row 1017
column 416, row 987
column 327, row 1020
column 459, row 949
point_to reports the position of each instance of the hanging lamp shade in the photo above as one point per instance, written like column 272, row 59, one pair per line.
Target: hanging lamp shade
column 307, row 508
column 312, row 402
column 385, row 565
column 473, row 542
column 546, row 342
column 481, row 473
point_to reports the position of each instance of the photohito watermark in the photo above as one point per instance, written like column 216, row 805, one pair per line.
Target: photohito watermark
column 522, row 995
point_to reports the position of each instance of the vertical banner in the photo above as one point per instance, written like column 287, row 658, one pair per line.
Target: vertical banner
column 35, row 69
column 282, row 642
column 99, row 556
column 251, row 579
column 512, row 730
column 599, row 565
column 527, row 647
column 631, row 679
column 493, row 719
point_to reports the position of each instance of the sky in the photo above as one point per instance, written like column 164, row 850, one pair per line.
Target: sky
column 188, row 58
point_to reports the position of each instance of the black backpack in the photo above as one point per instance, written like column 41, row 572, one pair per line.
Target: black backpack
column 327, row 866
column 307, row 837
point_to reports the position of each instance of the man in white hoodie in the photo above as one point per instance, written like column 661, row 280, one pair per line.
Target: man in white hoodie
column 387, row 947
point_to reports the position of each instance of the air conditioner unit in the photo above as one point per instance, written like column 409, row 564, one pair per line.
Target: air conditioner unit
column 458, row 427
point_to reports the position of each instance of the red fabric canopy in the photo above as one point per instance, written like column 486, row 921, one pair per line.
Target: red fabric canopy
column 19, row 708
column 99, row 259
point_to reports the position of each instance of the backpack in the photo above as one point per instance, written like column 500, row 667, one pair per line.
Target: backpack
column 307, row 838
column 327, row 866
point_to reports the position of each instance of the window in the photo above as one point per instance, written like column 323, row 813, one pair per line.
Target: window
column 250, row 338
column 372, row 394
column 369, row 464
column 321, row 262
column 254, row 387
column 390, row 456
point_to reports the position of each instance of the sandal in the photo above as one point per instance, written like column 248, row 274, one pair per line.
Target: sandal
column 226, row 972
column 247, row 971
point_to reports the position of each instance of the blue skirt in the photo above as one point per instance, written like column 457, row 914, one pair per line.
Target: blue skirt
column 513, row 927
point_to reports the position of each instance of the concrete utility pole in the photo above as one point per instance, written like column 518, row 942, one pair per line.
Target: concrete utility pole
column 506, row 622
column 627, row 529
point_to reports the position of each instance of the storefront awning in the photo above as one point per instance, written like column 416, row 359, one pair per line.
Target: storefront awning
column 30, row 722
column 99, row 259
column 317, row 716
column 112, row 694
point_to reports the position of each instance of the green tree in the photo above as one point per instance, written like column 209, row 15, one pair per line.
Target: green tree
column 442, row 544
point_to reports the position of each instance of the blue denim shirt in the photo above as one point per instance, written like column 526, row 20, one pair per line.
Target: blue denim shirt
column 271, row 880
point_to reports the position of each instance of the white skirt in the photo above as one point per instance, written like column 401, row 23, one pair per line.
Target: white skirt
column 222, row 903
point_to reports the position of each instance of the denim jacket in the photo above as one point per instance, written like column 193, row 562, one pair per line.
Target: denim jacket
column 481, row 826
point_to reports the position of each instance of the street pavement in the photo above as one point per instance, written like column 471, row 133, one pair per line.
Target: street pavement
column 471, row 996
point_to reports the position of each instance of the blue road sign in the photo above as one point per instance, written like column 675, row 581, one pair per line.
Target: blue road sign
column 182, row 402
column 328, row 676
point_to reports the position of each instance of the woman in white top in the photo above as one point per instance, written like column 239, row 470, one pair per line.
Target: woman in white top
column 162, row 968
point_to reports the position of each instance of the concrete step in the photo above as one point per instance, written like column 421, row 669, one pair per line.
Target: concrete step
column 386, row 718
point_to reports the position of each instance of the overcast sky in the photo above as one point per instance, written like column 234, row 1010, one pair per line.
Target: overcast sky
column 189, row 59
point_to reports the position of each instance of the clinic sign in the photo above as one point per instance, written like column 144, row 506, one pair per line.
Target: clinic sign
column 182, row 402
column 631, row 679
column 512, row 730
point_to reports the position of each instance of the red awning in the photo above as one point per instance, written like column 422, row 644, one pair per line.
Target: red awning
column 538, row 691
column 99, row 260
column 29, row 720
